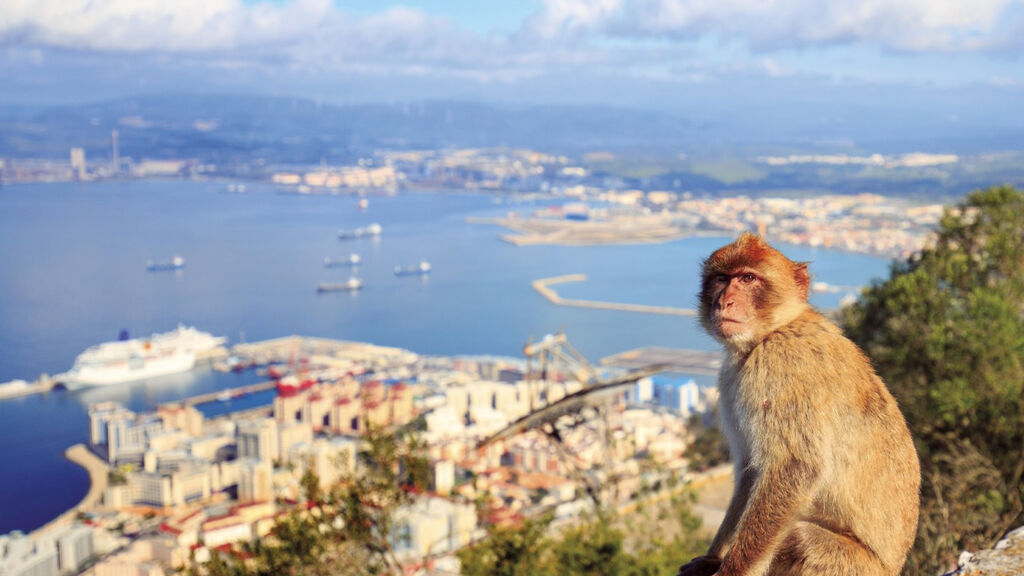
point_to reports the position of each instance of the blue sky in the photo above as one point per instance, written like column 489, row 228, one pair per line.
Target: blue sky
column 637, row 53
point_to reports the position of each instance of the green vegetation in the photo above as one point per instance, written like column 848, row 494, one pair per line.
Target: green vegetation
column 728, row 171
column 116, row 478
column 709, row 447
column 946, row 333
column 650, row 542
column 348, row 529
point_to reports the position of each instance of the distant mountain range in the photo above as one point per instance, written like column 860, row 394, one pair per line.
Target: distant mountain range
column 242, row 129
column 224, row 128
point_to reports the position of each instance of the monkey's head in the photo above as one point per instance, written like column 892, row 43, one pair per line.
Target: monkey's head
column 749, row 289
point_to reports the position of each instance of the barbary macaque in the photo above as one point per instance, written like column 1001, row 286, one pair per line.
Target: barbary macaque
column 826, row 476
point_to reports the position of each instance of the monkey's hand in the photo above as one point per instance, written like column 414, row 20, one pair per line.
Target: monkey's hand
column 700, row 566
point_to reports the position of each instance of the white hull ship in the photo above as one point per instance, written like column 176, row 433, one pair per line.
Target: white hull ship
column 140, row 358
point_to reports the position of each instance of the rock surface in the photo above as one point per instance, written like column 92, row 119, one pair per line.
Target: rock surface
column 1006, row 558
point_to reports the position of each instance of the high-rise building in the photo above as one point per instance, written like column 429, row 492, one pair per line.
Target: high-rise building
column 115, row 162
column 74, row 547
column 258, row 439
column 21, row 556
column 291, row 434
column 255, row 481
column 119, row 434
column 78, row 163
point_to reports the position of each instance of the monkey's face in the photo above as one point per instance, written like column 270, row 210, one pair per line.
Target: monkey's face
column 750, row 289
column 735, row 299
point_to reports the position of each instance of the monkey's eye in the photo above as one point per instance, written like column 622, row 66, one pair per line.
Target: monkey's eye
column 747, row 278
column 722, row 279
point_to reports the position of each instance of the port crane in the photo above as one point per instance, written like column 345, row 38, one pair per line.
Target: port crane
column 553, row 356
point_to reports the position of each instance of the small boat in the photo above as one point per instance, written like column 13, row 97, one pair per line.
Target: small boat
column 351, row 284
column 363, row 203
column 351, row 260
column 224, row 396
column 371, row 230
column 416, row 270
column 176, row 263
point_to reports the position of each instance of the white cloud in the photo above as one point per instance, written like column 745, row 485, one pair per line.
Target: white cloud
column 902, row 25
column 179, row 26
column 568, row 18
column 563, row 38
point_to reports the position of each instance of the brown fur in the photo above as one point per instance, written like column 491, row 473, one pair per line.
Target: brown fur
column 827, row 478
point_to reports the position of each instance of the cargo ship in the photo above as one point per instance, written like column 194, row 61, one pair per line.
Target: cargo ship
column 130, row 360
column 176, row 263
column 351, row 284
column 371, row 230
column 351, row 260
column 415, row 270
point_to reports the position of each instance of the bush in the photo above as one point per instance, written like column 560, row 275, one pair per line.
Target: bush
column 945, row 332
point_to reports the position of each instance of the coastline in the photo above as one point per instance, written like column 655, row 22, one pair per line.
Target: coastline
column 97, row 469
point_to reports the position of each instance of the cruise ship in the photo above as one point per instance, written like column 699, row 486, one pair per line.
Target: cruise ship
column 136, row 359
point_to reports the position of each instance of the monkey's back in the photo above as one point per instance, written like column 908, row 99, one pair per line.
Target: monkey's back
column 817, row 393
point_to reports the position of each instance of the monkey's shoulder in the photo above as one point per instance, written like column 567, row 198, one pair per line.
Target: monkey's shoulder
column 809, row 349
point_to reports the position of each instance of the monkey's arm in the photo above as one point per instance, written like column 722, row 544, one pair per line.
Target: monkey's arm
column 779, row 493
column 738, row 503
column 710, row 563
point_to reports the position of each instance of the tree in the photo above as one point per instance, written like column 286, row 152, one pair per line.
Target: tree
column 654, row 541
column 347, row 529
column 709, row 447
column 946, row 333
column 521, row 550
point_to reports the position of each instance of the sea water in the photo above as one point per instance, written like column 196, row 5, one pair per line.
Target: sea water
column 74, row 274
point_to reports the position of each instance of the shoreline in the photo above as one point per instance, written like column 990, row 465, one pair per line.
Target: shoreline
column 97, row 469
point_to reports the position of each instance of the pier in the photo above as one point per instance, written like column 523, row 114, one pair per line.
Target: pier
column 17, row 389
column 544, row 287
column 233, row 392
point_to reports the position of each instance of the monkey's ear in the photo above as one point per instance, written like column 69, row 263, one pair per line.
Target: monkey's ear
column 802, row 277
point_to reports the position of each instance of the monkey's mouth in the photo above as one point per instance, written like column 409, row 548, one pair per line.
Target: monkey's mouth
column 729, row 327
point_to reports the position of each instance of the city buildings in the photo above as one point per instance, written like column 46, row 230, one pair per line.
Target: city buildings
column 205, row 486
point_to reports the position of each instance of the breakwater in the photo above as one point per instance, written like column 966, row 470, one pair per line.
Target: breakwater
column 544, row 287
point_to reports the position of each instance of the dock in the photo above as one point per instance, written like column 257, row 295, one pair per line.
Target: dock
column 675, row 360
column 544, row 287
column 17, row 389
column 233, row 392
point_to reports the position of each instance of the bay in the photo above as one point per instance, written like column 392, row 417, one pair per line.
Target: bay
column 74, row 257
